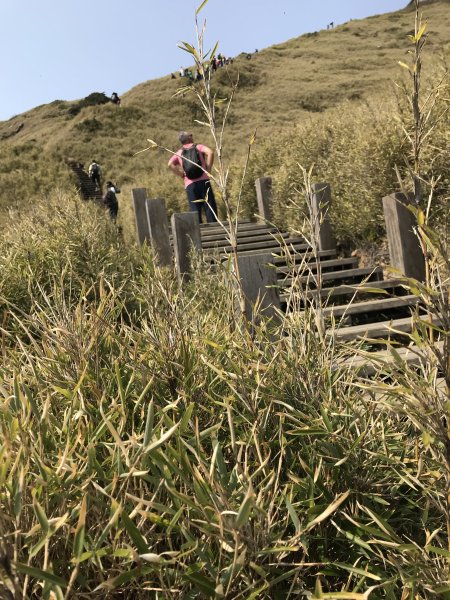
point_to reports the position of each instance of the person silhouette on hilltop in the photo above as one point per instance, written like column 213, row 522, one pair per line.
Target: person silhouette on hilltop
column 115, row 99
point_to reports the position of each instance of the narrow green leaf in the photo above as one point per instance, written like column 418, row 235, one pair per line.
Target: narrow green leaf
column 293, row 515
column 246, row 508
column 39, row 574
column 149, row 423
column 166, row 436
column 200, row 7
column 202, row 583
column 134, row 533
column 42, row 517
column 357, row 571
column 78, row 542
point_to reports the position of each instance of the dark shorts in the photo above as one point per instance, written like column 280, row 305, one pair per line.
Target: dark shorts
column 201, row 197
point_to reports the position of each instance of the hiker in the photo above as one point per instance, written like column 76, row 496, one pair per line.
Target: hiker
column 193, row 162
column 95, row 174
column 110, row 199
column 115, row 99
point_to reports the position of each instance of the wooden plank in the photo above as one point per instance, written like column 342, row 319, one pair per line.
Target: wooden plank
column 262, row 246
column 353, row 290
column 404, row 248
column 320, row 206
column 367, row 364
column 159, row 230
column 258, row 280
column 377, row 330
column 212, row 226
column 379, row 305
column 278, row 238
column 298, row 258
column 222, row 236
column 311, row 264
column 362, row 272
column 139, row 196
column 264, row 198
column 186, row 237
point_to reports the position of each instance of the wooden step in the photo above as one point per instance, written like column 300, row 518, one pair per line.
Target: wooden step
column 244, row 238
column 367, row 364
column 270, row 246
column 311, row 265
column 377, row 305
column 224, row 236
column 211, row 227
column 250, row 228
column 366, row 273
column 296, row 259
column 380, row 329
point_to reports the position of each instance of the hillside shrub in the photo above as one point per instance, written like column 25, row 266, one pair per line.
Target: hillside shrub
column 94, row 99
column 89, row 125
column 358, row 150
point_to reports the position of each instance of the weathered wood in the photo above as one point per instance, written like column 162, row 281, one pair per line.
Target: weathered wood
column 186, row 238
column 367, row 273
column 320, row 208
column 404, row 248
column 265, row 246
column 261, row 231
column 310, row 264
column 276, row 239
column 264, row 198
column 259, row 286
column 379, row 330
column 159, row 230
column 139, row 196
column 371, row 362
column 367, row 289
column 377, row 305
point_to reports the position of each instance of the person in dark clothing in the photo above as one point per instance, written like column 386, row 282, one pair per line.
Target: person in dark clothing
column 95, row 173
column 110, row 200
column 115, row 99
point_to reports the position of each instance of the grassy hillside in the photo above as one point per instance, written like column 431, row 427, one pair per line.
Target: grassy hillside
column 280, row 87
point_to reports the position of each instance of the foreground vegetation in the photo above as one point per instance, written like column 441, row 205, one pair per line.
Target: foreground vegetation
column 153, row 448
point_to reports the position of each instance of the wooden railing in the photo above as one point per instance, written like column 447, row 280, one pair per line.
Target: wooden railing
column 272, row 264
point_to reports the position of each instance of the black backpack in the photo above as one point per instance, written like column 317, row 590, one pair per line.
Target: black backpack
column 192, row 165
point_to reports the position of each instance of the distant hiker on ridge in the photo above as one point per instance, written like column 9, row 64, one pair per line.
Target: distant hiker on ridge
column 95, row 174
column 110, row 200
column 115, row 99
column 193, row 162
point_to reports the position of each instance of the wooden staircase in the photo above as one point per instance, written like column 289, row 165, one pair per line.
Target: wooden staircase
column 86, row 188
column 280, row 270
column 358, row 303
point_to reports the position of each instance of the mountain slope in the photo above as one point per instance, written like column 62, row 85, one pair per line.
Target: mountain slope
column 279, row 87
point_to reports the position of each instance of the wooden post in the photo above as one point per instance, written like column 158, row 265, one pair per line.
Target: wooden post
column 404, row 247
column 159, row 230
column 264, row 198
column 139, row 197
column 320, row 206
column 259, row 286
column 186, row 237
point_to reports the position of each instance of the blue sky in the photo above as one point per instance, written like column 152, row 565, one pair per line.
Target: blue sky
column 66, row 49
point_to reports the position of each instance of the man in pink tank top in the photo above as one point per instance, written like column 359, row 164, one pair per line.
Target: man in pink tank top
column 193, row 162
